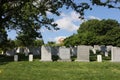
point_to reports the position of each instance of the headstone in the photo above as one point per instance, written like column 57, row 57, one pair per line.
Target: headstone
column 93, row 50
column 103, row 48
column 36, row 51
column 99, row 58
column 10, row 52
column 115, row 54
column 83, row 53
column 15, row 57
column 46, row 53
column 19, row 50
column 106, row 54
column 97, row 47
column 109, row 48
column 64, row 54
column 26, row 51
column 55, row 51
column 30, row 57
column 73, row 51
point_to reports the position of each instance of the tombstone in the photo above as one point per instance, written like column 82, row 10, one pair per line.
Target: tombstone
column 83, row 53
column 73, row 51
column 46, row 53
column 36, row 51
column 10, row 52
column 99, row 58
column 15, row 57
column 64, row 54
column 97, row 47
column 30, row 57
column 19, row 50
column 115, row 54
column 26, row 51
column 103, row 48
column 93, row 50
column 109, row 48
column 55, row 51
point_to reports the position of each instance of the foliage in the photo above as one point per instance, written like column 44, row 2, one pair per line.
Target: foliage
column 28, row 16
column 29, row 43
column 96, row 32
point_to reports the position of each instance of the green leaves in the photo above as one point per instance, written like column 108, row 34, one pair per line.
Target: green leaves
column 96, row 32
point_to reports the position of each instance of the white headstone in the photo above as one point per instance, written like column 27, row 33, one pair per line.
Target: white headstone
column 83, row 53
column 30, row 57
column 26, row 51
column 15, row 57
column 97, row 47
column 46, row 53
column 99, row 58
column 64, row 54
column 115, row 54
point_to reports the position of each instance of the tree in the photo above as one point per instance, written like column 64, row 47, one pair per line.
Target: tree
column 96, row 32
column 25, row 15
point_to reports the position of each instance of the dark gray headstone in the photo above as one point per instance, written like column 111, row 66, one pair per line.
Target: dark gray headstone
column 83, row 53
column 55, row 51
column 73, row 51
column 10, row 52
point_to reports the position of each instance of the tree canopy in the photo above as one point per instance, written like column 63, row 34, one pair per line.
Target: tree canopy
column 96, row 32
column 28, row 16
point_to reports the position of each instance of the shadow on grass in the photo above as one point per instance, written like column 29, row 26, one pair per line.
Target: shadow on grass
column 5, row 59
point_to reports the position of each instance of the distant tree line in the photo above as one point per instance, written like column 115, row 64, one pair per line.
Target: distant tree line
column 96, row 32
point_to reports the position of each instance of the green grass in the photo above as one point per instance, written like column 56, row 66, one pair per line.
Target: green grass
column 36, row 70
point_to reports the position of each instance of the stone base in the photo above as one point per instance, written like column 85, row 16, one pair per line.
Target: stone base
column 82, row 61
column 46, row 60
column 114, row 61
column 64, row 60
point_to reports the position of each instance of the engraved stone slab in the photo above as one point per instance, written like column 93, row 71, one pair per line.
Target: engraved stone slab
column 46, row 53
column 64, row 54
column 83, row 53
column 115, row 54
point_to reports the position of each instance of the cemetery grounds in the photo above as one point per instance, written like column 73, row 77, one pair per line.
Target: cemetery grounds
column 37, row 70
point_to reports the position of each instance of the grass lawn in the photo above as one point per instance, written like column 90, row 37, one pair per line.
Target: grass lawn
column 36, row 70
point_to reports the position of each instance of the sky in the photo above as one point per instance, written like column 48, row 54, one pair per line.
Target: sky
column 69, row 22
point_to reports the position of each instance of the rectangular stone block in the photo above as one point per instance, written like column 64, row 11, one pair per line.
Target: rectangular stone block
column 115, row 54
column 30, row 57
column 46, row 53
column 83, row 53
column 15, row 57
column 64, row 54
column 99, row 58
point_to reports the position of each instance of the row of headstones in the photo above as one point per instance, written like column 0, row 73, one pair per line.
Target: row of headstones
column 82, row 52
column 25, row 50
column 55, row 50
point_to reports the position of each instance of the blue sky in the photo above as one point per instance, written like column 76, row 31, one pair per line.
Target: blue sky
column 68, row 22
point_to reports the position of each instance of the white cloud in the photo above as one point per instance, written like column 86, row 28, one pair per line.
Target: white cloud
column 93, row 17
column 67, row 22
